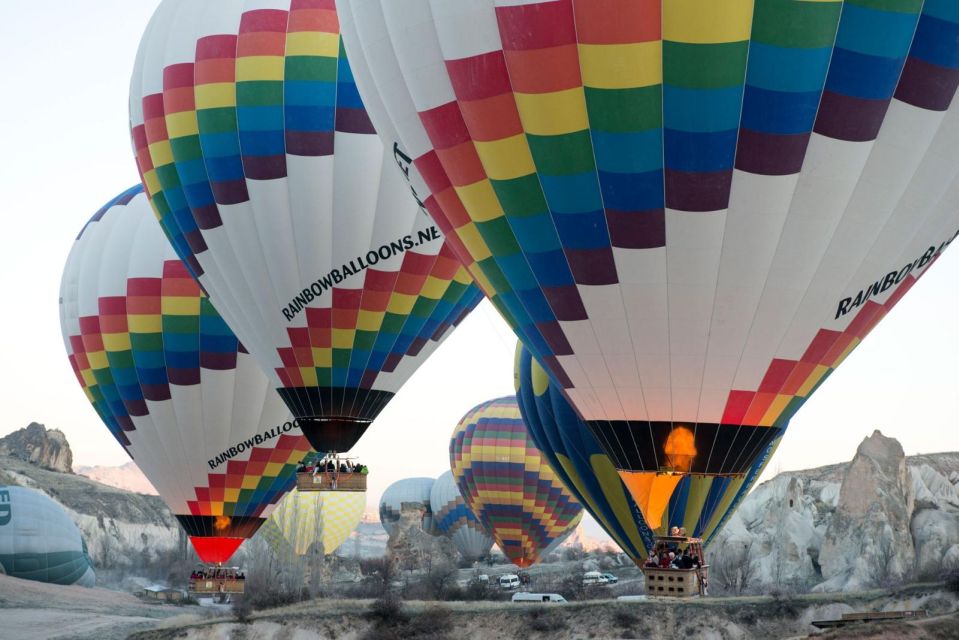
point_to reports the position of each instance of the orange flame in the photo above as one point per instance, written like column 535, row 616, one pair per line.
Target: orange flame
column 680, row 449
column 221, row 522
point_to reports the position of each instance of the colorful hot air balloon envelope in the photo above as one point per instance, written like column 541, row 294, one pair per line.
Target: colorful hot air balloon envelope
column 307, row 522
column 39, row 541
column 689, row 211
column 412, row 491
column 266, row 175
column 508, row 484
column 453, row 519
column 700, row 504
column 171, row 382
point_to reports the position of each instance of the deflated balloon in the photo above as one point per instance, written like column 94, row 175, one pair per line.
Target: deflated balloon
column 508, row 485
column 453, row 519
column 171, row 382
column 268, row 178
column 690, row 212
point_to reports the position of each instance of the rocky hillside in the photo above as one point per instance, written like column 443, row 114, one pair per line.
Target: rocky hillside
column 881, row 519
column 121, row 529
column 127, row 477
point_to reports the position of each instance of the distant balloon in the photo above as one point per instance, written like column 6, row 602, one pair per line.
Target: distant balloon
column 452, row 518
column 269, row 180
column 171, row 382
column 508, row 485
column 700, row 504
column 413, row 491
column 39, row 541
column 689, row 212
column 313, row 521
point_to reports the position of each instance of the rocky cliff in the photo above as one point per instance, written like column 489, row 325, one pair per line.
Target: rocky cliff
column 122, row 530
column 881, row 519
column 37, row 445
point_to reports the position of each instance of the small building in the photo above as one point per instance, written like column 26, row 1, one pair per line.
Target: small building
column 159, row 593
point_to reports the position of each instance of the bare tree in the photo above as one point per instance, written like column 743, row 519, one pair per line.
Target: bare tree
column 733, row 566
column 882, row 571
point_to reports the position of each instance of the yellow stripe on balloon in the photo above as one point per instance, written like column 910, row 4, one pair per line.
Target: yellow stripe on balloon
column 480, row 200
column 255, row 68
column 552, row 114
column 180, row 305
column 507, row 158
column 313, row 43
column 182, row 124
column 160, row 153
column 116, row 341
column 151, row 323
column 707, row 21
column 622, row 66
column 215, row 95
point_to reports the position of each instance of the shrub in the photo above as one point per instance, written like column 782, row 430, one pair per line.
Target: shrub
column 242, row 609
column 546, row 620
column 387, row 611
column 951, row 578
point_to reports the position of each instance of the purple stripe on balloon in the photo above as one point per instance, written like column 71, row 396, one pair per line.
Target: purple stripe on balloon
column 369, row 377
column 927, row 86
column 156, row 392
column 194, row 265
column 218, row 361
column 264, row 167
column 309, row 143
column 183, row 377
column 555, row 338
column 851, row 119
column 391, row 361
column 698, row 191
column 208, row 217
column 592, row 266
column 123, row 439
column 195, row 241
column 136, row 407
column 771, row 154
column 230, row 192
column 565, row 302
column 353, row 121
column 637, row 229
column 416, row 346
column 241, row 349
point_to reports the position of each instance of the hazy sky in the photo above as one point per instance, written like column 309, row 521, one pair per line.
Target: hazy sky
column 64, row 151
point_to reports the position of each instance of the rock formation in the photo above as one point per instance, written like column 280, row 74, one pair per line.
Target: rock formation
column 868, row 541
column 882, row 518
column 37, row 445
column 410, row 548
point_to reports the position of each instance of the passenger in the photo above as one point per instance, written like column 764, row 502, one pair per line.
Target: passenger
column 343, row 467
column 663, row 560
column 652, row 560
column 300, row 467
column 330, row 466
column 686, row 560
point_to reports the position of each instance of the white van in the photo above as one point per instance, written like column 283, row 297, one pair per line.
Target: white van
column 538, row 597
column 509, row 581
column 594, row 577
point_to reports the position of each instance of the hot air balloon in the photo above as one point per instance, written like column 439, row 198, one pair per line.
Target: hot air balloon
column 453, row 519
column 508, row 485
column 39, row 541
column 689, row 212
column 171, row 382
column 267, row 176
column 412, row 491
column 700, row 505
column 308, row 521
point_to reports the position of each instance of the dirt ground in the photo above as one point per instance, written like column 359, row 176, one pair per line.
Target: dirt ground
column 708, row 619
column 37, row 611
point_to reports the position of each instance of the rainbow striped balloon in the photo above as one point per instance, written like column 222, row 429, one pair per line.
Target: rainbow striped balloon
column 267, row 176
column 508, row 485
column 690, row 211
column 171, row 382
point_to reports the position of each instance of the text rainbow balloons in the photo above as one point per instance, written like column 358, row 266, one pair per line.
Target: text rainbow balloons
column 508, row 485
column 689, row 211
column 269, row 180
column 171, row 382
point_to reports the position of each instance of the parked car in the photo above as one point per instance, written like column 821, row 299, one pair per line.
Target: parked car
column 610, row 578
column 509, row 581
column 594, row 577
column 538, row 597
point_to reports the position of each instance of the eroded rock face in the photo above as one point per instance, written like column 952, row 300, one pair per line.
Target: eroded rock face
column 935, row 532
column 868, row 541
column 411, row 548
column 47, row 448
